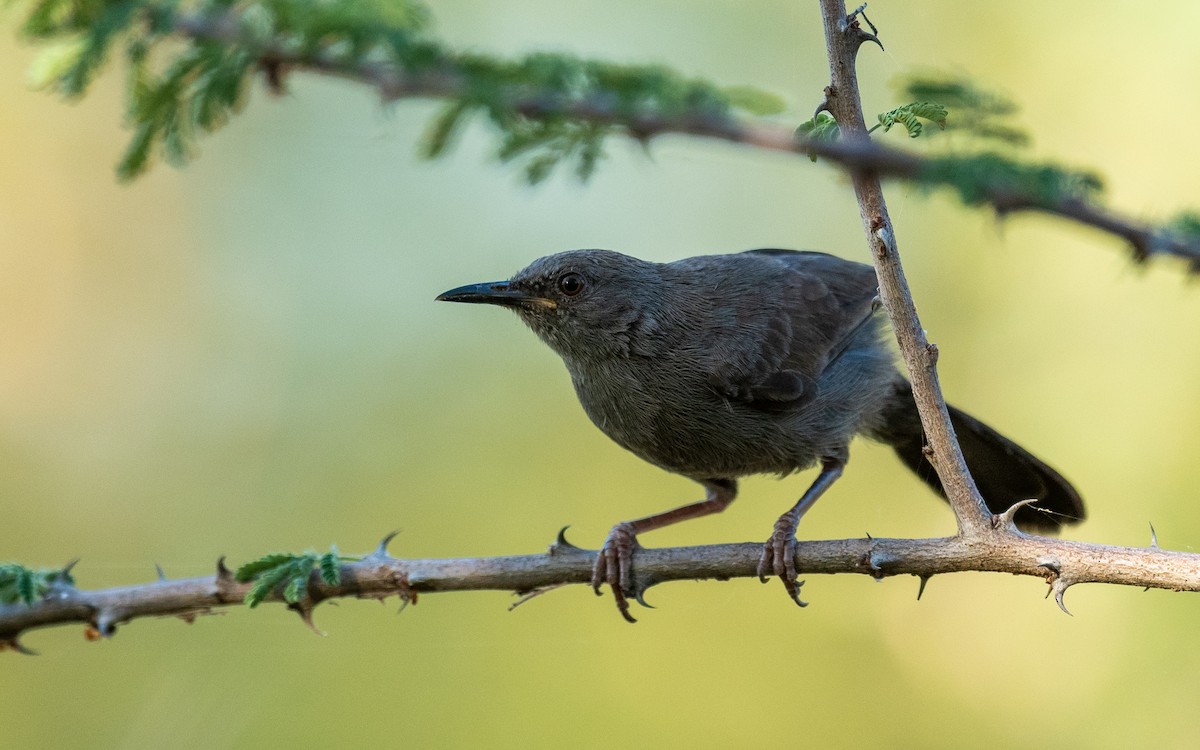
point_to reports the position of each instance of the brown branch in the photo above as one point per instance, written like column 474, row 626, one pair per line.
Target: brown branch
column 1003, row 550
column 447, row 80
column 843, row 37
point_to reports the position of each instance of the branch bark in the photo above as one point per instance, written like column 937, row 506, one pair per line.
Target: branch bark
column 377, row 576
column 843, row 37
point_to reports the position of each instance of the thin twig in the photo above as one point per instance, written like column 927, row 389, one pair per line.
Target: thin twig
column 842, row 41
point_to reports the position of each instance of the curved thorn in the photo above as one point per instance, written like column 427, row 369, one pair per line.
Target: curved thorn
column 921, row 588
column 560, row 543
column 1153, row 538
column 1006, row 518
column 381, row 550
column 639, row 595
column 161, row 575
column 1060, row 587
column 305, row 611
column 223, row 573
column 822, row 107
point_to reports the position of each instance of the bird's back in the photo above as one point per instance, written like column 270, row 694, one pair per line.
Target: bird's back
column 756, row 362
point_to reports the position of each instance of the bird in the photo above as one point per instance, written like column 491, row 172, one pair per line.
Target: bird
column 768, row 361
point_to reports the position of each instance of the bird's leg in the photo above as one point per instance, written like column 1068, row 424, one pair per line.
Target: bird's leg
column 614, row 564
column 779, row 553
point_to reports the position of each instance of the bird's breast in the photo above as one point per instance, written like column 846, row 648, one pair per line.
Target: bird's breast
column 674, row 419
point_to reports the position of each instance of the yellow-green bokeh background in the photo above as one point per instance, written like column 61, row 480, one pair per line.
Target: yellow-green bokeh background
column 244, row 356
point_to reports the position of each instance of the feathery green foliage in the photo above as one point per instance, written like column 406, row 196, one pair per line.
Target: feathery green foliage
column 976, row 112
column 910, row 116
column 21, row 584
column 978, row 178
column 177, row 91
column 822, row 127
column 289, row 572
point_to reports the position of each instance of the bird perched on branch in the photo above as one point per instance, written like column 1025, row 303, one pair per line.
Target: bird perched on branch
column 762, row 362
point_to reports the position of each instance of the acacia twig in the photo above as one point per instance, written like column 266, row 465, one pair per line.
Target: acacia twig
column 447, row 79
column 843, row 37
column 377, row 576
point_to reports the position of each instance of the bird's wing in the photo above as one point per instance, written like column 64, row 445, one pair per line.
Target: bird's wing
column 808, row 309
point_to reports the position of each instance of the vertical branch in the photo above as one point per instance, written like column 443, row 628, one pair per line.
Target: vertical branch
column 843, row 37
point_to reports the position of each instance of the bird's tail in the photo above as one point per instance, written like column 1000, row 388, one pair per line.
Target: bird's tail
column 1004, row 472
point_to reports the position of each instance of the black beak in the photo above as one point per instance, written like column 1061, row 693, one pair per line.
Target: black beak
column 495, row 293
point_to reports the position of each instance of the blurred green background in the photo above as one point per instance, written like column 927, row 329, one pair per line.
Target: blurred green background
column 244, row 356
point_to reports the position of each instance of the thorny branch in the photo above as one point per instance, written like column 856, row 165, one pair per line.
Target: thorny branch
column 377, row 576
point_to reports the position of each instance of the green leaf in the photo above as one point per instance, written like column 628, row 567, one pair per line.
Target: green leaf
column 51, row 66
column 977, row 176
column 300, row 572
column 251, row 570
column 444, row 127
column 910, row 116
column 21, row 584
column 331, row 572
column 821, row 128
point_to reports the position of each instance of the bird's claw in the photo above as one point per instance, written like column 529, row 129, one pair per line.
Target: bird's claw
column 614, row 566
column 779, row 558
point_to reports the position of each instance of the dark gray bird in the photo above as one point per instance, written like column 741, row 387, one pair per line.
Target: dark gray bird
column 762, row 362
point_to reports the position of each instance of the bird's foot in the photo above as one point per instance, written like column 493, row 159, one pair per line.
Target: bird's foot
column 614, row 566
column 779, row 557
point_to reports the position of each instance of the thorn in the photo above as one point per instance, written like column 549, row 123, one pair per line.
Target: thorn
column 1060, row 587
column 1005, row 519
column 921, row 587
column 65, row 573
column 1153, row 538
column 639, row 594
column 823, row 106
column 381, row 552
column 532, row 594
column 869, row 537
column 560, row 544
column 161, row 575
column 851, row 22
column 223, row 573
column 188, row 617
column 305, row 611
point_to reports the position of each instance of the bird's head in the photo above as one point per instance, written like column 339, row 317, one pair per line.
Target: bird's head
column 582, row 303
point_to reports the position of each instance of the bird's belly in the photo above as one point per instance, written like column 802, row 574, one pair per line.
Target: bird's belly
column 690, row 430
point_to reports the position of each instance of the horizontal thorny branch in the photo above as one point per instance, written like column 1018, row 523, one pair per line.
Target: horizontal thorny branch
column 379, row 575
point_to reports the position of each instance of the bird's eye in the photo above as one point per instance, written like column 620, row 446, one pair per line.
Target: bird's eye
column 570, row 284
